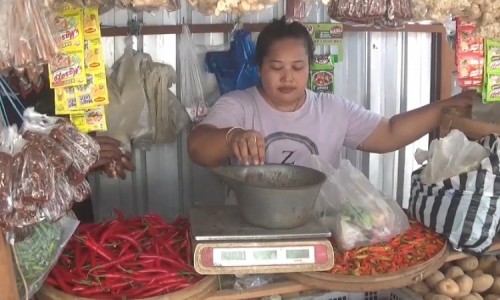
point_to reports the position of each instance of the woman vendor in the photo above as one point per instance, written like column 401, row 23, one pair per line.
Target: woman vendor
column 281, row 121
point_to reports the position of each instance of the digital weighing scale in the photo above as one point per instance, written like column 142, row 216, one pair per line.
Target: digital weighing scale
column 226, row 244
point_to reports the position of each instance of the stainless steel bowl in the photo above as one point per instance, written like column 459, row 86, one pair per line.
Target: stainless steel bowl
column 274, row 196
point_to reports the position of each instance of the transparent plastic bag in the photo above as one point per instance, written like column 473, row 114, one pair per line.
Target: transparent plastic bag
column 31, row 43
column 357, row 11
column 6, row 172
column 152, row 5
column 62, row 201
column 450, row 156
column 36, row 251
column 60, row 159
column 83, row 150
column 298, row 10
column 191, row 89
column 354, row 210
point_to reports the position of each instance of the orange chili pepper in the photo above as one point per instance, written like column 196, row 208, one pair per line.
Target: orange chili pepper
column 415, row 246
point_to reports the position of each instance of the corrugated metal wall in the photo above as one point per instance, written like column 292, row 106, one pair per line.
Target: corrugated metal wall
column 386, row 72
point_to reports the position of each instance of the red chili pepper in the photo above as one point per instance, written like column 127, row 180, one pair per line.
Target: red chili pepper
column 98, row 249
column 116, row 261
column 60, row 278
column 129, row 239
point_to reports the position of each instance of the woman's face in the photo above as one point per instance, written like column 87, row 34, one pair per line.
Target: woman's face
column 285, row 71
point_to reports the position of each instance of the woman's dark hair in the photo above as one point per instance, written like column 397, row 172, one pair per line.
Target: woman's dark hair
column 280, row 29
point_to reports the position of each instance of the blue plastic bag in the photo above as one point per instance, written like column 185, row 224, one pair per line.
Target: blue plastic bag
column 235, row 69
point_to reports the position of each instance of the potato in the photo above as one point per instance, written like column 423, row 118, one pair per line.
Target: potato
column 482, row 283
column 421, row 288
column 447, row 287
column 431, row 296
column 433, row 279
column 470, row 297
column 495, row 287
column 497, row 269
column 464, row 283
column 475, row 273
column 487, row 263
column 491, row 297
column 453, row 272
column 478, row 296
column 468, row 264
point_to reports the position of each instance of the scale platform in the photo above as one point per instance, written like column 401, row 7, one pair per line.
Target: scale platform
column 226, row 244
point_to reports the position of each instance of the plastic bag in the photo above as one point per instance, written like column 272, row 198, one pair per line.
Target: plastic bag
column 450, row 156
column 298, row 10
column 37, row 252
column 60, row 159
column 31, row 43
column 235, row 69
column 191, row 89
column 6, row 172
column 83, row 150
column 128, row 113
column 354, row 210
column 357, row 11
column 151, row 5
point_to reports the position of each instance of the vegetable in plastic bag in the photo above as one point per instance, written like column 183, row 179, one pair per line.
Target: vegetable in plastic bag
column 191, row 89
column 450, row 156
column 354, row 210
column 38, row 251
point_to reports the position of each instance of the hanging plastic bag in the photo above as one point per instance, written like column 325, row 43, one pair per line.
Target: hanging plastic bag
column 354, row 210
column 298, row 10
column 235, row 69
column 6, row 173
column 191, row 88
column 450, row 156
column 128, row 113
column 36, row 251
column 82, row 149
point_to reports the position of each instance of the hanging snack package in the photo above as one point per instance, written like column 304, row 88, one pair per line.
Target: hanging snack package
column 469, row 55
column 321, row 79
column 83, row 150
column 91, row 23
column 60, row 159
column 491, row 85
column 90, row 120
column 65, row 101
column 298, row 10
column 92, row 94
column 70, row 30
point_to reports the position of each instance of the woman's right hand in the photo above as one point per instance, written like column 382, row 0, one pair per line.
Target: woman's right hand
column 248, row 146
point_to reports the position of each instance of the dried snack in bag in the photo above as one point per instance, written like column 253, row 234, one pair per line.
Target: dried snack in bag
column 34, row 179
column 81, row 191
column 358, row 11
column 58, row 206
column 84, row 149
column 60, row 159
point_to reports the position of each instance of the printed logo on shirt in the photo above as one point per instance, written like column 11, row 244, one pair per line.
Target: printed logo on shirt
column 288, row 145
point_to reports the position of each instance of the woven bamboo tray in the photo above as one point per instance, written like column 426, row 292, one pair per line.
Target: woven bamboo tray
column 199, row 291
column 345, row 283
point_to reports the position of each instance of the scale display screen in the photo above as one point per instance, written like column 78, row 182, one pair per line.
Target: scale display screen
column 231, row 257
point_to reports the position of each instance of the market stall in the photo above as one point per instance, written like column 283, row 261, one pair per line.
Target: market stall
column 380, row 249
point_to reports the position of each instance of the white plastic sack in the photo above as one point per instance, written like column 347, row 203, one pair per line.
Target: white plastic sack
column 449, row 156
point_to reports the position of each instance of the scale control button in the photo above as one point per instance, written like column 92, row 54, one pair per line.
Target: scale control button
column 321, row 254
column 207, row 257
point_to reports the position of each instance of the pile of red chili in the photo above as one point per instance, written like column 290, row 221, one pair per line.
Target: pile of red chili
column 417, row 245
column 126, row 258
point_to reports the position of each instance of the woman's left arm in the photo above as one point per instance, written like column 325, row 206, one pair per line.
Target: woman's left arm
column 405, row 128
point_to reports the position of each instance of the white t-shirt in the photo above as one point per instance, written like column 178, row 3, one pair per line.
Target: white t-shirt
column 321, row 126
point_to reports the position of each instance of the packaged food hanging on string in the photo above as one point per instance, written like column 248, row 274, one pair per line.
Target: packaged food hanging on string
column 491, row 80
column 30, row 43
column 83, row 150
column 469, row 55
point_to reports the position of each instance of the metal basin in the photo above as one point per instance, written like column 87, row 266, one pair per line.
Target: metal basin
column 273, row 196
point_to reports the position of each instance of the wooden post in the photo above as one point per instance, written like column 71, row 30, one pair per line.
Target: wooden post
column 8, row 287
